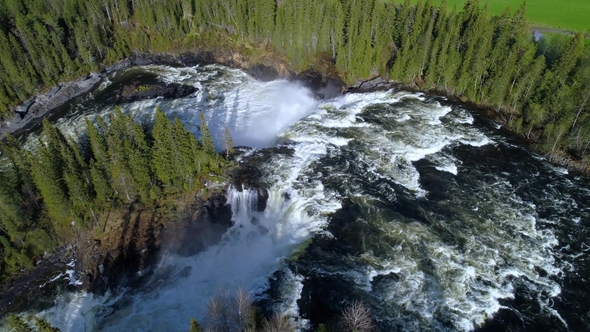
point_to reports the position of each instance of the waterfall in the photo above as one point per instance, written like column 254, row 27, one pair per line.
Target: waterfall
column 437, row 221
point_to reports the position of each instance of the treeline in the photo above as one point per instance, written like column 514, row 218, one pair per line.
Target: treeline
column 492, row 61
column 47, row 193
column 19, row 324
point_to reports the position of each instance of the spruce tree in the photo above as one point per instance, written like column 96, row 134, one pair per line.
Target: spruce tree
column 12, row 218
column 119, row 170
column 99, row 164
column 163, row 149
column 23, row 179
column 17, row 324
column 77, row 179
column 195, row 326
column 183, row 154
column 44, row 326
column 138, row 155
column 206, row 139
column 47, row 171
column 228, row 143
column 568, row 58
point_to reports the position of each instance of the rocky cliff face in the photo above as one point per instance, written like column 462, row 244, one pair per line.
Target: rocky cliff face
column 125, row 256
column 136, row 239
column 37, row 107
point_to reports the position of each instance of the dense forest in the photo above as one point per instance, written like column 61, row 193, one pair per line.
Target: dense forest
column 47, row 194
column 542, row 90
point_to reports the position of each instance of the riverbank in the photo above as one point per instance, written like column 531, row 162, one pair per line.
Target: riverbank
column 118, row 245
column 558, row 157
column 31, row 112
column 138, row 215
column 127, row 240
column 122, row 250
column 323, row 79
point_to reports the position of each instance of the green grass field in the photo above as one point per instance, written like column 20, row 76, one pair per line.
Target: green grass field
column 562, row 14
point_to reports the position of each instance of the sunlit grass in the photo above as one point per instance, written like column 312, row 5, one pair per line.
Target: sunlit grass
column 562, row 14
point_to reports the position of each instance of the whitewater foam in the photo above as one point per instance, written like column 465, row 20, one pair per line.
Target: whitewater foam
column 448, row 266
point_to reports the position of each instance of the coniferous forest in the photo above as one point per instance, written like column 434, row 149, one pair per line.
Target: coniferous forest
column 541, row 90
column 64, row 184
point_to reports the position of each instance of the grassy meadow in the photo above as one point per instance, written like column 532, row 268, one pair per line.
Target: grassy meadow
column 562, row 14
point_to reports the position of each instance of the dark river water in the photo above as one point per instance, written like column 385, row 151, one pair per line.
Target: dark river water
column 436, row 218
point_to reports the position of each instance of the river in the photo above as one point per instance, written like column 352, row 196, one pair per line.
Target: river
column 435, row 217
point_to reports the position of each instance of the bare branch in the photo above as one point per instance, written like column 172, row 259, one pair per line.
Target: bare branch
column 242, row 309
column 357, row 318
column 218, row 313
column 280, row 323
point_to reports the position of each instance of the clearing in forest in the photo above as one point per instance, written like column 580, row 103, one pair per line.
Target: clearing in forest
column 563, row 14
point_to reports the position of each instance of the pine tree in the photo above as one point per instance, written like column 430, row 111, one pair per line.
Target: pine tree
column 47, row 171
column 163, row 150
column 44, row 326
column 228, row 143
column 12, row 218
column 122, row 179
column 17, row 324
column 195, row 327
column 206, row 139
column 139, row 161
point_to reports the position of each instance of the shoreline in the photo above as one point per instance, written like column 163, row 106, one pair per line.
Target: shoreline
column 323, row 84
column 98, row 263
column 98, row 253
column 560, row 158
column 101, row 262
column 32, row 111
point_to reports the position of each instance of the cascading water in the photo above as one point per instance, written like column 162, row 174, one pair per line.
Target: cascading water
column 436, row 219
column 247, row 254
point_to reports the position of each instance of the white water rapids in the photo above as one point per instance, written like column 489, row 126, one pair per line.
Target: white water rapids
column 445, row 271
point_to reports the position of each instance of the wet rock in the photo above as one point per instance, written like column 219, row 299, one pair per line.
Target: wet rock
column 262, row 230
column 323, row 86
column 202, row 229
column 249, row 175
column 310, row 78
column 262, row 199
column 33, row 110
column 218, row 211
column 263, row 73
column 201, row 58
column 32, row 289
column 133, row 93
column 376, row 84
